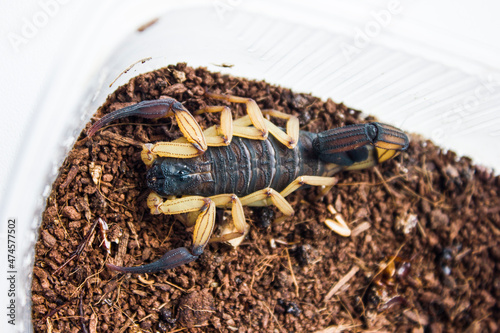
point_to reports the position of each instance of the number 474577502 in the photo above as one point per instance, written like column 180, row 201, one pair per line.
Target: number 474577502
column 11, row 243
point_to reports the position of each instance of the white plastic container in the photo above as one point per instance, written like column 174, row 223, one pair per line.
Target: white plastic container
column 361, row 56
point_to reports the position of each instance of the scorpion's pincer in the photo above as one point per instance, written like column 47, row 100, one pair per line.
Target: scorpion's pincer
column 159, row 108
column 146, row 109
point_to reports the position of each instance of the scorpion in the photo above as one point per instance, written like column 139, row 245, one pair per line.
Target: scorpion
column 237, row 163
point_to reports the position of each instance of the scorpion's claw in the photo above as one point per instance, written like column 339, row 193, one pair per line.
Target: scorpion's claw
column 146, row 109
column 171, row 259
column 158, row 109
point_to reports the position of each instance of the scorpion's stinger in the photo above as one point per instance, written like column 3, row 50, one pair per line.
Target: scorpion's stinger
column 171, row 259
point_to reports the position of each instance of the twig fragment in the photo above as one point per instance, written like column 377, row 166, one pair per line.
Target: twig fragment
column 293, row 274
column 341, row 282
column 79, row 249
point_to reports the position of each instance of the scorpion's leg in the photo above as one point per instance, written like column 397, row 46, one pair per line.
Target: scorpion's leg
column 253, row 111
column 204, row 223
column 183, row 147
column 202, row 231
column 291, row 137
column 242, row 127
column 234, row 233
column 328, row 182
column 261, row 125
column 219, row 135
column 267, row 197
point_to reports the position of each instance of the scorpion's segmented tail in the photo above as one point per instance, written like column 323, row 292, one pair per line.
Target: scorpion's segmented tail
column 348, row 145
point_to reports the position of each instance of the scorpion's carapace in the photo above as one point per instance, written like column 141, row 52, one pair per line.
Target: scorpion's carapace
column 236, row 164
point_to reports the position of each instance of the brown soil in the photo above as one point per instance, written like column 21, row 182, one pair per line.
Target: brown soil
column 442, row 273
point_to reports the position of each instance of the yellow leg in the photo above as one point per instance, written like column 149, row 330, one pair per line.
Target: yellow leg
column 261, row 125
column 329, row 182
column 194, row 142
column 253, row 111
column 178, row 149
column 241, row 127
column 203, row 228
column 205, row 222
column 268, row 196
column 291, row 137
column 232, row 233
column 235, row 232
column 191, row 129
column 222, row 134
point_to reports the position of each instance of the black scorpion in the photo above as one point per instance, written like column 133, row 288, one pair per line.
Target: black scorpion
column 237, row 164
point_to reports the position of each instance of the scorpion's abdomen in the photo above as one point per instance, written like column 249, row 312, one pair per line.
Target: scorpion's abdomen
column 246, row 166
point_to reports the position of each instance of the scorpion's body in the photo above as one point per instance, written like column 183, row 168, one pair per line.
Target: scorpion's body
column 238, row 164
column 243, row 167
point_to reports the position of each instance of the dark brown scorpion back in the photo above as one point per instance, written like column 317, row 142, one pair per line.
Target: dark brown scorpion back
column 246, row 166
column 243, row 167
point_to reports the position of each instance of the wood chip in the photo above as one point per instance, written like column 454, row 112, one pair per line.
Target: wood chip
column 143, row 280
column 71, row 175
column 103, row 230
column 360, row 228
column 418, row 318
column 93, row 323
column 140, row 293
column 272, row 243
column 341, row 282
column 331, row 209
column 96, row 172
column 340, row 228
column 336, row 329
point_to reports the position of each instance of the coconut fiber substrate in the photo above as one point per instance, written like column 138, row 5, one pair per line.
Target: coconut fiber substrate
column 423, row 255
